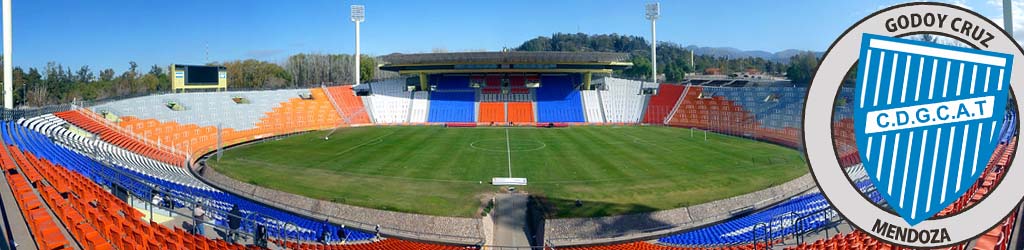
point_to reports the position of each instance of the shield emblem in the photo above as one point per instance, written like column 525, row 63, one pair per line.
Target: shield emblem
column 927, row 119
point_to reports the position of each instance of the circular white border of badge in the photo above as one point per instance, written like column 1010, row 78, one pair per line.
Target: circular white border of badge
column 837, row 61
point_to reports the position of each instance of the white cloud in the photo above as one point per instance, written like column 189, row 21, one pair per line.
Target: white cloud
column 961, row 3
column 1018, row 16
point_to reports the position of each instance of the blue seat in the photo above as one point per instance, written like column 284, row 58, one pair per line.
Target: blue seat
column 143, row 185
column 452, row 107
column 558, row 100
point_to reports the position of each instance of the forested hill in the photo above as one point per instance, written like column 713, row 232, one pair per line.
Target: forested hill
column 674, row 59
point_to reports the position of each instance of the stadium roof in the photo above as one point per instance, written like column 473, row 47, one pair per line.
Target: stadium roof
column 506, row 61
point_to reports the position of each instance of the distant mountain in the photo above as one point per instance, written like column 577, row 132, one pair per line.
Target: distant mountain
column 733, row 53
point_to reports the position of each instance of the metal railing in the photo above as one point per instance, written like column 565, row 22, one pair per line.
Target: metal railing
column 127, row 132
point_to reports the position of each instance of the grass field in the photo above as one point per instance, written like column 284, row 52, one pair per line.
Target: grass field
column 445, row 171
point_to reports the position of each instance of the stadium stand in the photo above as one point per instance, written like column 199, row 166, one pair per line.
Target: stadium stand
column 662, row 104
column 382, row 244
column 390, row 101
column 775, row 116
column 55, row 128
column 493, row 85
column 515, row 108
column 203, row 109
column 298, row 114
column 517, row 84
column 643, row 245
column 88, row 120
column 45, row 232
column 492, row 112
column 622, row 102
column 505, row 97
column 592, row 105
column 808, row 211
column 798, row 215
column 558, row 100
column 351, row 105
column 420, row 107
column 452, row 100
column 282, row 224
column 293, row 115
column 451, row 83
column 96, row 218
column 452, row 107
column 61, row 163
column 520, row 112
column 997, row 238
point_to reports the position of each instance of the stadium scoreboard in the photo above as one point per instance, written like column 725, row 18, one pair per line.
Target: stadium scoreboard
column 198, row 77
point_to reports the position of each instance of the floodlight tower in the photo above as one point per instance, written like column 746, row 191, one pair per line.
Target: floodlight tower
column 653, row 12
column 1008, row 17
column 358, row 15
column 8, row 57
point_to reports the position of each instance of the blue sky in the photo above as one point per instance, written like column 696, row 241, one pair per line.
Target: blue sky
column 108, row 34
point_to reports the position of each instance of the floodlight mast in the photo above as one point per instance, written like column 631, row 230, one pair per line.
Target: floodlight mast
column 358, row 15
column 653, row 12
column 1008, row 17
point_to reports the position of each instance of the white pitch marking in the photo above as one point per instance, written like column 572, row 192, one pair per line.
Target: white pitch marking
column 949, row 155
column 906, row 76
column 878, row 78
column 906, row 168
column 892, row 78
column 935, row 158
column 864, row 86
column 920, row 168
column 892, row 166
column 508, row 147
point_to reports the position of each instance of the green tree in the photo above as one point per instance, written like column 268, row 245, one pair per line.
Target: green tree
column 107, row 75
column 641, row 68
column 84, row 74
column 367, row 67
column 801, row 67
column 156, row 70
column 674, row 72
column 256, row 74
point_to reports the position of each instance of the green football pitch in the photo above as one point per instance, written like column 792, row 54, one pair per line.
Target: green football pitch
column 446, row 171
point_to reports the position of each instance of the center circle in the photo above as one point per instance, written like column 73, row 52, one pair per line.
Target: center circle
column 501, row 145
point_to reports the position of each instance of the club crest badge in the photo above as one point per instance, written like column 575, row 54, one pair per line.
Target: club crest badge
column 927, row 117
column 926, row 122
